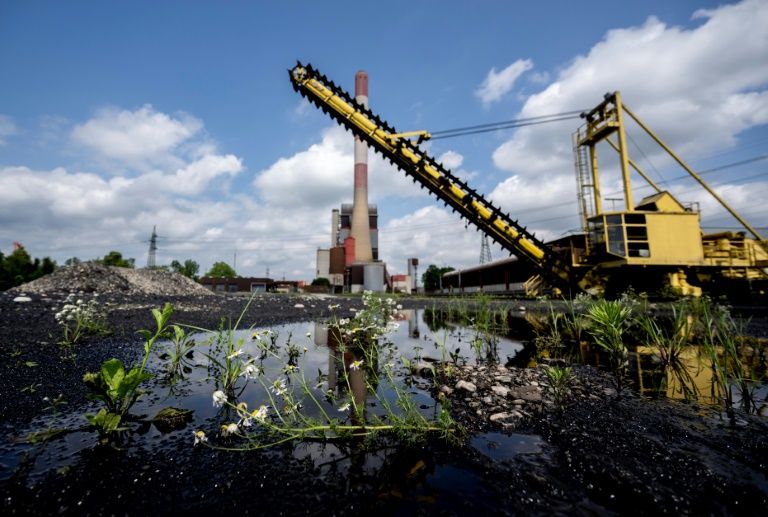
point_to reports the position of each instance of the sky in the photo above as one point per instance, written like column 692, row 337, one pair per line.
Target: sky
column 119, row 117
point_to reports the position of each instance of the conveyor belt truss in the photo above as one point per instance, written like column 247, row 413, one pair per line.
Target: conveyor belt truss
column 422, row 168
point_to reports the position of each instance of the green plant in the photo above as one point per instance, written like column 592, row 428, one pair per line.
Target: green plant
column 228, row 358
column 574, row 321
column 722, row 349
column 559, row 379
column 549, row 338
column 668, row 343
column 118, row 390
column 32, row 388
column 607, row 321
column 180, row 348
column 340, row 414
column 79, row 317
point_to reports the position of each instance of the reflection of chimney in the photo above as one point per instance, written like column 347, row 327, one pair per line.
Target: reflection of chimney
column 361, row 228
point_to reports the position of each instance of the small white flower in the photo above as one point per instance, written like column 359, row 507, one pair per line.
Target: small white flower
column 251, row 371
column 399, row 307
column 235, row 353
column 260, row 414
column 290, row 408
column 228, row 429
column 200, row 437
column 219, row 398
column 345, row 407
column 309, row 334
column 278, row 387
column 356, row 364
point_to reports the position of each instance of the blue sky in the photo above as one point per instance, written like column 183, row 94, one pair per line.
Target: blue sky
column 118, row 116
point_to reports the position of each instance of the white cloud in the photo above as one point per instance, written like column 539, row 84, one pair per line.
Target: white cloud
column 434, row 235
column 135, row 137
column 7, row 128
column 497, row 84
column 451, row 160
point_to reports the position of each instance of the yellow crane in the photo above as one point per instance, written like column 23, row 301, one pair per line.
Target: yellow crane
column 656, row 242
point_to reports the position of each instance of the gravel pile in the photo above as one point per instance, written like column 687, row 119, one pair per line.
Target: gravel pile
column 90, row 277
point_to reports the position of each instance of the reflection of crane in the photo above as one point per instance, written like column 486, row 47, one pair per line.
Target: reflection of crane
column 653, row 244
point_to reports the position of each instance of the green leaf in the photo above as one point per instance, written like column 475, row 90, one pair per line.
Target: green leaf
column 113, row 374
column 105, row 422
column 132, row 380
column 31, row 364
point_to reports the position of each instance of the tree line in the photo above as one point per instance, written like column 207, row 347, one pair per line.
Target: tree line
column 18, row 267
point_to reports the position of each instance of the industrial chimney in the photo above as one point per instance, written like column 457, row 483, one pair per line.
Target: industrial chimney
column 361, row 230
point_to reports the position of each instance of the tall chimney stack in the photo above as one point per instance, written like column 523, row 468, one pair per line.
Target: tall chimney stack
column 361, row 229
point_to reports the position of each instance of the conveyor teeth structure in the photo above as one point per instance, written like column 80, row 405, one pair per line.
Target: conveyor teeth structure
column 422, row 168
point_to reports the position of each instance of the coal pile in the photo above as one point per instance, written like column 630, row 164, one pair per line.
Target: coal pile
column 90, row 277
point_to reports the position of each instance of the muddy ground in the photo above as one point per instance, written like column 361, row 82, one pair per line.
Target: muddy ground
column 598, row 456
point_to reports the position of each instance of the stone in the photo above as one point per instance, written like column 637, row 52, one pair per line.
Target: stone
column 527, row 393
column 298, row 306
column 22, row 299
column 501, row 391
column 497, row 417
column 467, row 386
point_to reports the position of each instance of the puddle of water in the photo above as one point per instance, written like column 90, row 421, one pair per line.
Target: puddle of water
column 501, row 446
column 320, row 364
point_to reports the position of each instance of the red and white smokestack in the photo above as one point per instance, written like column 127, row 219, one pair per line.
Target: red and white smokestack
column 361, row 229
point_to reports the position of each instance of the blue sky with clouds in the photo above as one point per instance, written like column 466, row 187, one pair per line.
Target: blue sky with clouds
column 118, row 116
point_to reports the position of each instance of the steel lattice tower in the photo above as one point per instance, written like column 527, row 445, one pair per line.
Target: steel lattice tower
column 152, row 248
column 485, row 250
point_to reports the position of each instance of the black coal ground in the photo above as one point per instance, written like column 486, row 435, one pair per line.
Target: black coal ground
column 598, row 457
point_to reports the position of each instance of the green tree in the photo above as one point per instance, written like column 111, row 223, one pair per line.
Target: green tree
column 221, row 269
column 432, row 279
column 321, row 281
column 71, row 261
column 189, row 269
column 115, row 258
column 18, row 268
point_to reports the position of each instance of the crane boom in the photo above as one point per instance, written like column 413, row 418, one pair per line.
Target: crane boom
column 421, row 167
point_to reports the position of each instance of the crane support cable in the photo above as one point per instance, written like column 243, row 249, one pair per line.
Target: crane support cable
column 510, row 124
column 407, row 156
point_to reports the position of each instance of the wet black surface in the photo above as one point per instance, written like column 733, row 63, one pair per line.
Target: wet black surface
column 598, row 457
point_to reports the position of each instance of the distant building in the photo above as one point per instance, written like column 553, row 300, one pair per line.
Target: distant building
column 402, row 284
column 250, row 285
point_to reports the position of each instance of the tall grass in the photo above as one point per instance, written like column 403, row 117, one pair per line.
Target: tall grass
column 607, row 323
column 724, row 353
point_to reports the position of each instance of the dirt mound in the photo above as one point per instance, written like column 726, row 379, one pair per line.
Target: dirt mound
column 91, row 277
